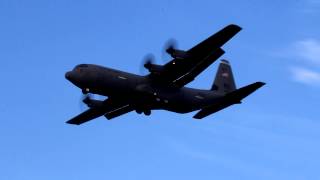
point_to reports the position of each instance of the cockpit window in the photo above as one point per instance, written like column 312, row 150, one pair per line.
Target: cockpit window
column 83, row 65
column 80, row 67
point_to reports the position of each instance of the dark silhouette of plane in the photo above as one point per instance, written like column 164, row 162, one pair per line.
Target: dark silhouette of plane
column 164, row 86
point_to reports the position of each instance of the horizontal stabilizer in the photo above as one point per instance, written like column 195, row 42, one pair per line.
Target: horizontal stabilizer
column 234, row 97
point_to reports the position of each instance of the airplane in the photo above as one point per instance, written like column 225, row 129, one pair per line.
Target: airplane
column 164, row 87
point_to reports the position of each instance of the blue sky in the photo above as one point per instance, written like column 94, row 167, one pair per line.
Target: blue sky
column 274, row 134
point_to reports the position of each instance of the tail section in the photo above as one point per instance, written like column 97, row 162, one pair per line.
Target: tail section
column 224, row 84
column 229, row 99
column 224, row 81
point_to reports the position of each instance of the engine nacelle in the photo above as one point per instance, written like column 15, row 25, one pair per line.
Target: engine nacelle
column 91, row 103
column 153, row 68
column 176, row 53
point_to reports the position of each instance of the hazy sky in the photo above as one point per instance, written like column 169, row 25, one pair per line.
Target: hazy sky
column 274, row 134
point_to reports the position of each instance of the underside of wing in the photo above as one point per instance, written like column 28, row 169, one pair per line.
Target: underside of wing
column 181, row 71
column 86, row 116
column 215, row 41
column 198, row 68
column 110, row 108
column 119, row 111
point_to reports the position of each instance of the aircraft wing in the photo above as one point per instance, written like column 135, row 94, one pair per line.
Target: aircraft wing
column 181, row 71
column 86, row 116
column 119, row 111
column 198, row 68
column 110, row 109
column 215, row 41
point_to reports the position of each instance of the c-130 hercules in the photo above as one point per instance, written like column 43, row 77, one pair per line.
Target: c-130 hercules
column 164, row 86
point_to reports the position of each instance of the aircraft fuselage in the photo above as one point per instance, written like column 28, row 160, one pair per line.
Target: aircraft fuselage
column 139, row 89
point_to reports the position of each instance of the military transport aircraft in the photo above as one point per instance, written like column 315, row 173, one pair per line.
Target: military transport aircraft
column 164, row 86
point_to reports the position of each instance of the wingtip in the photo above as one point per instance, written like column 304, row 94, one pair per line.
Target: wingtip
column 261, row 83
column 198, row 115
column 69, row 122
column 234, row 26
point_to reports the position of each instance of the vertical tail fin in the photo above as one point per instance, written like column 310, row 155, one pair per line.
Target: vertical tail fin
column 224, row 81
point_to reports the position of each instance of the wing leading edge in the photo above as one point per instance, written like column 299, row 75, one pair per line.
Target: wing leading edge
column 215, row 41
column 110, row 109
column 86, row 116
column 180, row 72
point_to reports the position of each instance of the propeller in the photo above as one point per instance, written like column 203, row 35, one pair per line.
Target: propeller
column 146, row 62
column 168, row 47
column 90, row 100
column 149, row 59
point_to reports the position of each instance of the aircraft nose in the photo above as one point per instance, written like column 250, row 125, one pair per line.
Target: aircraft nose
column 68, row 75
